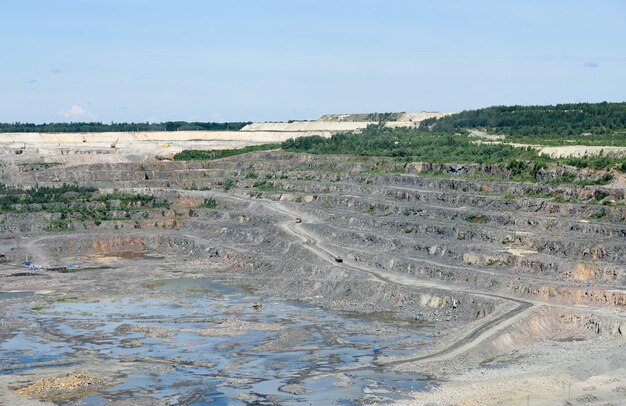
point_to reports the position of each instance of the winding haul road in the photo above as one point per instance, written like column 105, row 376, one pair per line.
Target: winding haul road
column 469, row 340
column 482, row 329
column 486, row 327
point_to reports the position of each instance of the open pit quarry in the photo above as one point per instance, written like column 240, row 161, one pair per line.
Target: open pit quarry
column 283, row 278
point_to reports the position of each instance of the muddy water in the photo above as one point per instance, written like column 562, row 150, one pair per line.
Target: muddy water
column 198, row 342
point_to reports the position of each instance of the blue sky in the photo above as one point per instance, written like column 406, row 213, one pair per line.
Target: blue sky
column 154, row 60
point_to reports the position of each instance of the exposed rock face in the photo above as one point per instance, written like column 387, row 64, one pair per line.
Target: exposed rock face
column 454, row 247
column 514, row 237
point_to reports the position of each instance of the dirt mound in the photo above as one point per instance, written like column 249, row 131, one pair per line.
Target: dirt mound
column 583, row 150
column 117, row 243
column 64, row 387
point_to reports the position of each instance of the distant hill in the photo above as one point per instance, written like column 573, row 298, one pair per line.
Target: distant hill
column 554, row 122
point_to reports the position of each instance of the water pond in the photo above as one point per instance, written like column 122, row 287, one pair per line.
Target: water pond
column 199, row 342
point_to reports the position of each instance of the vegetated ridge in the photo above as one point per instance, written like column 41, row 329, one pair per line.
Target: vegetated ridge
column 447, row 139
column 199, row 155
column 581, row 123
column 96, row 127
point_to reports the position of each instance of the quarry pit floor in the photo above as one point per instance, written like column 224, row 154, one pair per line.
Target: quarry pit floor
column 371, row 287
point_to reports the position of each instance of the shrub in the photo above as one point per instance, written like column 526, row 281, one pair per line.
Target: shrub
column 209, row 203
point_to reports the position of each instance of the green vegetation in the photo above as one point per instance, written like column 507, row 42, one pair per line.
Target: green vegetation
column 200, row 155
column 58, row 225
column 602, row 181
column 566, row 177
column 570, row 178
column 411, row 144
column 129, row 198
column 228, row 184
column 67, row 299
column 561, row 199
column 600, row 194
column 597, row 162
column 563, row 124
column 75, row 203
column 268, row 186
column 95, row 127
column 209, row 203
column 446, row 140
column 480, row 219
column 10, row 197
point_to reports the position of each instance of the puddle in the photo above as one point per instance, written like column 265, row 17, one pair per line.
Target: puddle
column 501, row 362
column 199, row 342
column 15, row 295
column 495, row 365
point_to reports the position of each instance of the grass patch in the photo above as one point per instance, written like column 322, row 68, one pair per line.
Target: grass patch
column 209, row 203
column 58, row 225
column 477, row 219
column 228, row 184
column 67, row 299
column 601, row 181
column 268, row 186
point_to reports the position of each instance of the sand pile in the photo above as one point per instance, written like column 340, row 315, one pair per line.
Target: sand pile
column 70, row 385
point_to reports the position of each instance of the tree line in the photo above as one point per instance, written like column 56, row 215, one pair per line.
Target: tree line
column 97, row 127
column 437, row 146
column 578, row 123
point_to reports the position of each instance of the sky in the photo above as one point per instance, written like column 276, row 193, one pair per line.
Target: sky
column 236, row 60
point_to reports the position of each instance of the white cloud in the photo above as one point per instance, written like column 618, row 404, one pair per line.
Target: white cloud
column 77, row 112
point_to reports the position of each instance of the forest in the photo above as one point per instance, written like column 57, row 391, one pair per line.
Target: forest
column 410, row 144
column 563, row 124
column 436, row 146
column 96, row 127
